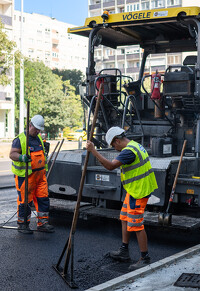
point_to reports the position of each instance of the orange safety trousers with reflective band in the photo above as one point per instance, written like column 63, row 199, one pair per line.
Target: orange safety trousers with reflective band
column 37, row 190
column 133, row 212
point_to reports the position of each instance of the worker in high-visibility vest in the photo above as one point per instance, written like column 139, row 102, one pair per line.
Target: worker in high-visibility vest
column 139, row 181
column 37, row 182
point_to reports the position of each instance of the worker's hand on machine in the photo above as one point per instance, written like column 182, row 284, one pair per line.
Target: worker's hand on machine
column 89, row 146
column 25, row 158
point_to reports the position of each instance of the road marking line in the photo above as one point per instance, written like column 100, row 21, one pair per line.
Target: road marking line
column 5, row 171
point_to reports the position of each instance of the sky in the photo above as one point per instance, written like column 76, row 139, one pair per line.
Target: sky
column 69, row 11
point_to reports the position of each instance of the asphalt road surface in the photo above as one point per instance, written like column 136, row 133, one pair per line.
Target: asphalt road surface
column 26, row 260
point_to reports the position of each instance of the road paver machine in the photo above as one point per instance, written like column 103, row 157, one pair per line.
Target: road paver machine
column 159, row 110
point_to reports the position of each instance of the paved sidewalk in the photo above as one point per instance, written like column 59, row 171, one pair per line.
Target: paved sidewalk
column 158, row 276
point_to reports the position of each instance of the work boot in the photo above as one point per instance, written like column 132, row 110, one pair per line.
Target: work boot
column 143, row 262
column 46, row 228
column 122, row 254
column 24, row 229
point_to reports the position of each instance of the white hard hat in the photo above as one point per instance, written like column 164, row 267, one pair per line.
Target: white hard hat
column 38, row 122
column 113, row 132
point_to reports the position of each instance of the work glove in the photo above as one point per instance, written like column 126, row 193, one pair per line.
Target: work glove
column 25, row 158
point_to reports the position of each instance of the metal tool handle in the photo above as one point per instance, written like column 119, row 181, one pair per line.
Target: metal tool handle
column 179, row 165
column 176, row 177
column 53, row 152
column 26, row 172
column 76, row 211
column 49, row 172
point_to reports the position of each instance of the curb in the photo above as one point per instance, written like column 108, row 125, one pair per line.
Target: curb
column 130, row 277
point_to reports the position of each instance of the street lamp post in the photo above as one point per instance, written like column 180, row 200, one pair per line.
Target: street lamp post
column 21, row 107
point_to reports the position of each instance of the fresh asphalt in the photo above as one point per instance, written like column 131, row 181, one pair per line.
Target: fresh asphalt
column 27, row 260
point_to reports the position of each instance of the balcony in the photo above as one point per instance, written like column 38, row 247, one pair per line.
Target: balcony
column 120, row 2
column 157, row 55
column 94, row 6
column 132, row 70
column 109, row 4
column 120, row 57
column 55, row 59
column 7, row 20
column 55, row 41
column 54, row 49
column 110, row 58
column 5, row 96
column 159, row 68
column 132, row 56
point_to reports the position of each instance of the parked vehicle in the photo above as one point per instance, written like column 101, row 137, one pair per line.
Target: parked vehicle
column 77, row 135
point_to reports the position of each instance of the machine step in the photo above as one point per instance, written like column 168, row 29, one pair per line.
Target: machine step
column 88, row 211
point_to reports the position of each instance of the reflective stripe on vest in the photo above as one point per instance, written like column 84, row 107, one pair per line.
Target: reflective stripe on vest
column 138, row 178
column 19, row 168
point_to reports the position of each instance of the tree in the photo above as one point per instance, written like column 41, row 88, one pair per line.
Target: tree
column 45, row 92
column 75, row 77
column 74, row 113
column 6, row 56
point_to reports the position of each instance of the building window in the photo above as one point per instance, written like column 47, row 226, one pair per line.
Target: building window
column 133, row 7
column 176, row 59
column 31, row 40
column 173, row 2
column 157, row 3
column 54, row 55
column 145, row 5
column 47, row 54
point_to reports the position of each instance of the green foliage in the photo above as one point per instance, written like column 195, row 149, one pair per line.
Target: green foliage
column 66, row 131
column 6, row 56
column 75, row 77
column 74, row 113
column 45, row 92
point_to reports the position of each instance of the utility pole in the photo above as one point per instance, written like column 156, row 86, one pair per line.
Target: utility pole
column 21, row 106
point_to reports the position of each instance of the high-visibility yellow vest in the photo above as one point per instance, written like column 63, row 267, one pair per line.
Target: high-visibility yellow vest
column 138, row 178
column 19, row 168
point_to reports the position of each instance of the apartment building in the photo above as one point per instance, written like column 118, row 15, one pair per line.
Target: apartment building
column 46, row 39
column 7, row 100
column 128, row 59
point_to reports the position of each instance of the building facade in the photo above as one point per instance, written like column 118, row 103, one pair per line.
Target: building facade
column 7, row 100
column 128, row 59
column 46, row 39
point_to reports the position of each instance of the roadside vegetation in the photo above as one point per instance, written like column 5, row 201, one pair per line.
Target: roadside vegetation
column 52, row 93
column 49, row 96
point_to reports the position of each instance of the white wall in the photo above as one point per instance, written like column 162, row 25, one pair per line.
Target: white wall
column 190, row 3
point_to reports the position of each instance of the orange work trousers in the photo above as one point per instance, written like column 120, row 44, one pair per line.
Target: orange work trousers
column 133, row 212
column 37, row 191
